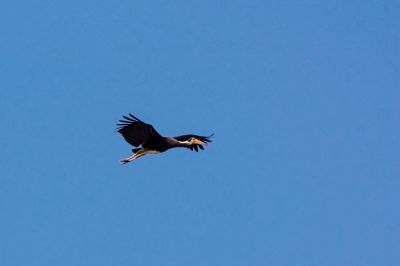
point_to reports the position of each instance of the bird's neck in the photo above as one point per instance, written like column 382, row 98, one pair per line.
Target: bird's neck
column 178, row 143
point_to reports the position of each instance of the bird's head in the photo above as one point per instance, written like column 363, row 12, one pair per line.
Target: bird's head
column 194, row 140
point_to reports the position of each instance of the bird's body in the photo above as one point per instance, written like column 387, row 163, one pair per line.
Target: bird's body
column 137, row 133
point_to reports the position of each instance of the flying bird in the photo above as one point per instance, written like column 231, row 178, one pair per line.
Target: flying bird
column 138, row 133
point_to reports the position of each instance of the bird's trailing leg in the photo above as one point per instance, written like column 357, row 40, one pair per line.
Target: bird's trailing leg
column 127, row 160
column 138, row 153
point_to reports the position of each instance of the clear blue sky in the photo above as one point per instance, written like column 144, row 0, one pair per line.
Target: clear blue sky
column 303, row 98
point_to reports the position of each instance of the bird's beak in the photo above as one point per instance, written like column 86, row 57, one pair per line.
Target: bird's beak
column 199, row 142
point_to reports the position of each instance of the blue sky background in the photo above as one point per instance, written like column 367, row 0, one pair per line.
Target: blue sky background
column 303, row 98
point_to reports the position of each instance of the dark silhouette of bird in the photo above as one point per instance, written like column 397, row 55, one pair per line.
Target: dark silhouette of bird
column 138, row 133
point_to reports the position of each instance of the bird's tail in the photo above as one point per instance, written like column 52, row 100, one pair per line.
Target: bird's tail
column 136, row 150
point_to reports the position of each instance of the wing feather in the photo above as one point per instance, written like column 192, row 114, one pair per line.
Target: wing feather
column 135, row 131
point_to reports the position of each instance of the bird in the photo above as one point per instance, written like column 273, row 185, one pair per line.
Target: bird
column 138, row 133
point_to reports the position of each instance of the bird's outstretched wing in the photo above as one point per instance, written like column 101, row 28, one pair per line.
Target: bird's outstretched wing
column 194, row 146
column 135, row 131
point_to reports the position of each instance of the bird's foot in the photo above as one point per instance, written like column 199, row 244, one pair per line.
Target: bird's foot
column 127, row 160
